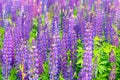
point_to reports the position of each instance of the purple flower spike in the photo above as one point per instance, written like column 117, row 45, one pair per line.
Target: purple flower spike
column 35, row 63
column 8, row 53
column 22, row 58
column 86, row 72
column 55, row 52
column 63, row 58
column 112, row 75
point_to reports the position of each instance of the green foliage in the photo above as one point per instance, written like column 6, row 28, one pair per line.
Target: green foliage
column 0, row 73
column 61, row 34
column 100, row 59
column 68, row 53
column 75, row 12
column 80, row 52
column 43, row 19
column 45, row 74
column 33, row 33
column 61, row 76
column 13, row 74
column 35, row 22
column 79, row 61
column 117, row 57
column 2, row 31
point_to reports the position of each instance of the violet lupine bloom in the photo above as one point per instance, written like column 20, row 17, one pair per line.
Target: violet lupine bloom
column 72, row 4
column 70, row 72
column 65, row 31
column 108, row 29
column 99, row 19
column 0, row 14
column 117, row 15
column 26, row 22
column 44, row 6
column 33, row 7
column 90, row 4
column 6, row 9
column 8, row 53
column 86, row 71
column 72, row 41
column 44, row 43
column 17, row 19
column 18, row 31
column 54, row 54
column 0, row 58
column 112, row 57
column 63, row 58
column 80, row 23
column 14, row 8
column 115, row 42
column 112, row 75
column 50, row 3
column 108, row 20
column 62, row 3
column 22, row 60
column 41, row 40
column 34, row 63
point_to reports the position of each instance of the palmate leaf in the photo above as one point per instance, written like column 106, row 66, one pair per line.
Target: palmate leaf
column 101, row 77
column 118, row 59
column 101, row 69
column 101, row 53
column 79, row 62
column 117, row 50
column 107, row 47
column 80, row 52
column 103, row 62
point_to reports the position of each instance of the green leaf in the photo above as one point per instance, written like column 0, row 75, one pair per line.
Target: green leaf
column 45, row 74
column 103, row 62
column 75, row 12
column 61, row 76
column 101, row 69
column 13, row 74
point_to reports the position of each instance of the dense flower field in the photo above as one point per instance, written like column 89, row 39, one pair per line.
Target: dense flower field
column 59, row 39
